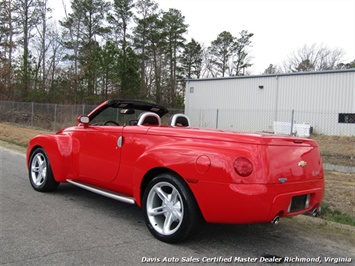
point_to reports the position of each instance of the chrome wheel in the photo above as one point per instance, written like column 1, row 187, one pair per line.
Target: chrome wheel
column 40, row 172
column 38, row 169
column 170, row 210
column 165, row 208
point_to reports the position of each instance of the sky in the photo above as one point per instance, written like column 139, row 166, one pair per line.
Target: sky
column 280, row 27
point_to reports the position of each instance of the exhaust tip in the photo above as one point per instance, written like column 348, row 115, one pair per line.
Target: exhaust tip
column 315, row 212
column 276, row 220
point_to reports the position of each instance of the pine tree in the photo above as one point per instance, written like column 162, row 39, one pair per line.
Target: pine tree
column 222, row 50
column 8, row 32
column 83, row 28
column 191, row 60
column 241, row 59
column 119, row 19
column 146, row 9
column 175, row 28
column 28, row 17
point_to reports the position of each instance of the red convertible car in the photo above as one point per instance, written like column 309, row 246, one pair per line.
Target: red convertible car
column 178, row 174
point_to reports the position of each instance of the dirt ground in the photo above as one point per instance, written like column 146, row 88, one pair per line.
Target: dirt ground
column 336, row 149
column 339, row 187
column 340, row 191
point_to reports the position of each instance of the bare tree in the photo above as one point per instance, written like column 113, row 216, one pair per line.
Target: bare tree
column 313, row 58
column 28, row 14
column 242, row 60
column 145, row 9
column 56, row 53
column 346, row 65
column 42, row 44
column 8, row 31
column 271, row 69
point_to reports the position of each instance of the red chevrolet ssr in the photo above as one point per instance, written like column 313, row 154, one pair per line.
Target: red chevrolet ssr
column 180, row 175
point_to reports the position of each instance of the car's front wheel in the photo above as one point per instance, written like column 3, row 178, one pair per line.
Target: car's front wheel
column 40, row 172
column 170, row 209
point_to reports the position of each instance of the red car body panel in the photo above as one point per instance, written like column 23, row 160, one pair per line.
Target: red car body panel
column 121, row 158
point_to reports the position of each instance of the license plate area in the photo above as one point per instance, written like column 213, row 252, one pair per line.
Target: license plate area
column 299, row 203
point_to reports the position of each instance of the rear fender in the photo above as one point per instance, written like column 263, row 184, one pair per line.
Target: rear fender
column 192, row 165
column 58, row 149
column 181, row 162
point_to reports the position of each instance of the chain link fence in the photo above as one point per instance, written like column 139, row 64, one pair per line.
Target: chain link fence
column 286, row 122
column 38, row 115
column 46, row 116
column 334, row 131
column 330, row 126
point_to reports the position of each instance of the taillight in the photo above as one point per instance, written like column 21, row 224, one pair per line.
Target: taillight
column 243, row 166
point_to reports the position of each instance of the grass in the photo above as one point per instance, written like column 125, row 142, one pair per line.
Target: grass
column 338, row 150
column 327, row 213
column 17, row 135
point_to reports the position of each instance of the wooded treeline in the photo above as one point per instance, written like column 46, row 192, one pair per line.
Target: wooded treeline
column 103, row 49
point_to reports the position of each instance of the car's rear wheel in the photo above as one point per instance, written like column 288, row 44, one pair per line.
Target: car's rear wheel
column 40, row 172
column 170, row 209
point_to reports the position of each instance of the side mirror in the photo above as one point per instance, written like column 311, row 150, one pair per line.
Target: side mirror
column 84, row 120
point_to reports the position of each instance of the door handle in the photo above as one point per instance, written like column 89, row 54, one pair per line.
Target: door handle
column 120, row 141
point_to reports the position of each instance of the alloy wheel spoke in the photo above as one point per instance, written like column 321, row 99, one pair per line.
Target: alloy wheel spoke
column 157, row 211
column 35, row 169
column 161, row 194
column 40, row 160
column 174, row 196
column 39, row 179
column 177, row 211
column 167, row 223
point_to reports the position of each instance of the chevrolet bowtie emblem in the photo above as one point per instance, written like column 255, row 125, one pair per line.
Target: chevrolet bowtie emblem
column 283, row 180
column 302, row 164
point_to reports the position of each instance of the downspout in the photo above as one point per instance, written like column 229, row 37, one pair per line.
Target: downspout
column 277, row 98
column 187, row 96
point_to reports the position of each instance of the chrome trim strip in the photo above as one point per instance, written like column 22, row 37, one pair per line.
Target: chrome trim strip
column 102, row 192
column 308, row 200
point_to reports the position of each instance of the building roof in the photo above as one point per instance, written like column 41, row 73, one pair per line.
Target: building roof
column 277, row 75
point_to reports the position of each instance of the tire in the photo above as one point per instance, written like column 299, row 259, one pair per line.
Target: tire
column 40, row 172
column 170, row 209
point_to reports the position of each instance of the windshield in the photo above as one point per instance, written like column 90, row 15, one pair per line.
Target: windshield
column 116, row 116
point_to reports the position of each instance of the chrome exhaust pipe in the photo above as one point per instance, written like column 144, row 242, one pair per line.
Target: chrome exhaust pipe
column 315, row 212
column 276, row 220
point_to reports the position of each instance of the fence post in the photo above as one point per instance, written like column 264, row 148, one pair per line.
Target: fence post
column 32, row 113
column 292, row 121
column 55, row 116
column 217, row 118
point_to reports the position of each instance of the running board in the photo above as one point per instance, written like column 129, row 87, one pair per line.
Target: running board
column 103, row 192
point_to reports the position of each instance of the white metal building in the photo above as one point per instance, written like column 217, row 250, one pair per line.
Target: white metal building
column 323, row 100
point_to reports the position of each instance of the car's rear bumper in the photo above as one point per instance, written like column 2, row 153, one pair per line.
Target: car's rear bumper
column 256, row 203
